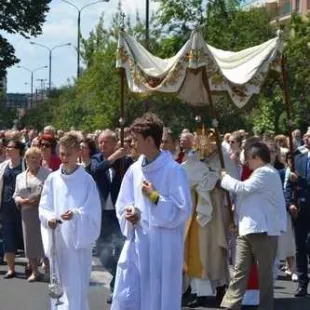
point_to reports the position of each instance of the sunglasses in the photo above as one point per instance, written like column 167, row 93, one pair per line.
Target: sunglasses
column 231, row 142
column 47, row 145
column 9, row 147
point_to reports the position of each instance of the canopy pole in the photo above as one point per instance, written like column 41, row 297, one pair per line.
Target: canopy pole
column 122, row 106
column 215, row 124
column 122, row 99
column 288, row 107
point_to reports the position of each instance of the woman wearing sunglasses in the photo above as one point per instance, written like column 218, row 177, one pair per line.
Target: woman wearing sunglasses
column 48, row 147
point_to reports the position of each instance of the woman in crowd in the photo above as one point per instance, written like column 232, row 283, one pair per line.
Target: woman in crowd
column 9, row 213
column 48, row 147
column 88, row 149
column 235, row 142
column 35, row 142
column 287, row 247
column 286, row 244
column 27, row 195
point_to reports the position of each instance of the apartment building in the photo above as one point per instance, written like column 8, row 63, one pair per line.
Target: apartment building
column 284, row 8
column 281, row 10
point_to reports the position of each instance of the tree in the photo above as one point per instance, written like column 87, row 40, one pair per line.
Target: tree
column 19, row 17
column 93, row 101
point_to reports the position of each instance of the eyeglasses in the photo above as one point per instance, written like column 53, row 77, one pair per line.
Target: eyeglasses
column 47, row 145
column 231, row 142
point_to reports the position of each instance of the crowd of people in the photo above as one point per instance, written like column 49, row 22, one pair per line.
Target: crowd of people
column 162, row 193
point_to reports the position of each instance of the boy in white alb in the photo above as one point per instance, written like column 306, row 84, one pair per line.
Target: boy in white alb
column 153, row 206
column 70, row 204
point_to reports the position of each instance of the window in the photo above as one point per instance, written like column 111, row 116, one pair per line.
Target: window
column 297, row 5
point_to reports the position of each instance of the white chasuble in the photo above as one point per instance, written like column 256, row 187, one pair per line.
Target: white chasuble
column 74, row 239
column 158, row 237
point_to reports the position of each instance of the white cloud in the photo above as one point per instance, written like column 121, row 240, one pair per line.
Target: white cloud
column 61, row 27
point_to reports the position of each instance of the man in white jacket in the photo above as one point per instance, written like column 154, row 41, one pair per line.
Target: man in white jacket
column 153, row 206
column 261, row 219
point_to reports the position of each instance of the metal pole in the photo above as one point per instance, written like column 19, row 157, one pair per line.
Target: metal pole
column 78, row 44
column 31, row 95
column 50, row 73
column 288, row 107
column 122, row 106
column 147, row 23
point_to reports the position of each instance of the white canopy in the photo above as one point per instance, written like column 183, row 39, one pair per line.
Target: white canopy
column 240, row 74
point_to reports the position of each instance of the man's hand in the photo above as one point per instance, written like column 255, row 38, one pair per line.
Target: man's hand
column 132, row 215
column 53, row 223
column 67, row 216
column 293, row 177
column 223, row 173
column 147, row 188
column 23, row 201
column 118, row 154
column 293, row 211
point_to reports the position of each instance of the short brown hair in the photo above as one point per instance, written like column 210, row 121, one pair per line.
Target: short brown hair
column 149, row 125
column 70, row 140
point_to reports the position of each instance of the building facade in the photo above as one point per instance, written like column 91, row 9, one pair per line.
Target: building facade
column 281, row 10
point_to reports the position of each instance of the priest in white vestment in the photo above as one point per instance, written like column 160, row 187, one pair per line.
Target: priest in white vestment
column 153, row 207
column 206, row 256
column 70, row 204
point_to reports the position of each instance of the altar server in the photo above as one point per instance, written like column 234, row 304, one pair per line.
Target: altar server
column 153, row 207
column 70, row 204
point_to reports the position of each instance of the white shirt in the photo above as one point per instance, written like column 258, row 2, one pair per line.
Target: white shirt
column 260, row 202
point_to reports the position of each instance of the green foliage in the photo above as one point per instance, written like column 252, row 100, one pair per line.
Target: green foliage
column 21, row 17
column 7, row 115
column 93, row 101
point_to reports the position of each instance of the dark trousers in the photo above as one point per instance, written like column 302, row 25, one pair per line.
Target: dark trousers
column 1, row 243
column 110, row 243
column 302, row 239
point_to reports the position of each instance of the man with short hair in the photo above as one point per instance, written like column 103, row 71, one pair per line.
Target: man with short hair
column 297, row 138
column 153, row 207
column 49, row 130
column 261, row 219
column 300, row 212
column 107, row 169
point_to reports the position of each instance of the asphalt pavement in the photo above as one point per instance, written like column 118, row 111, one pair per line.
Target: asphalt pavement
column 17, row 294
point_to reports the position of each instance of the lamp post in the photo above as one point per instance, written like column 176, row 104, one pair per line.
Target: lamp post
column 50, row 50
column 79, row 28
column 31, row 83
column 147, row 23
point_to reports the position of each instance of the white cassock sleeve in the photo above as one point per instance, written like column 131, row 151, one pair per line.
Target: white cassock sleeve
column 87, row 218
column 46, row 213
column 174, row 209
column 46, row 206
column 125, row 200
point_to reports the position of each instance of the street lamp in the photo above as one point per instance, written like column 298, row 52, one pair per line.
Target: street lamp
column 50, row 59
column 147, row 23
column 32, row 72
column 79, row 27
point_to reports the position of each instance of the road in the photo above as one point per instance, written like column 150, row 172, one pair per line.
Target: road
column 17, row 294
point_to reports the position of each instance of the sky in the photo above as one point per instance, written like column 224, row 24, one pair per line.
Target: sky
column 61, row 28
